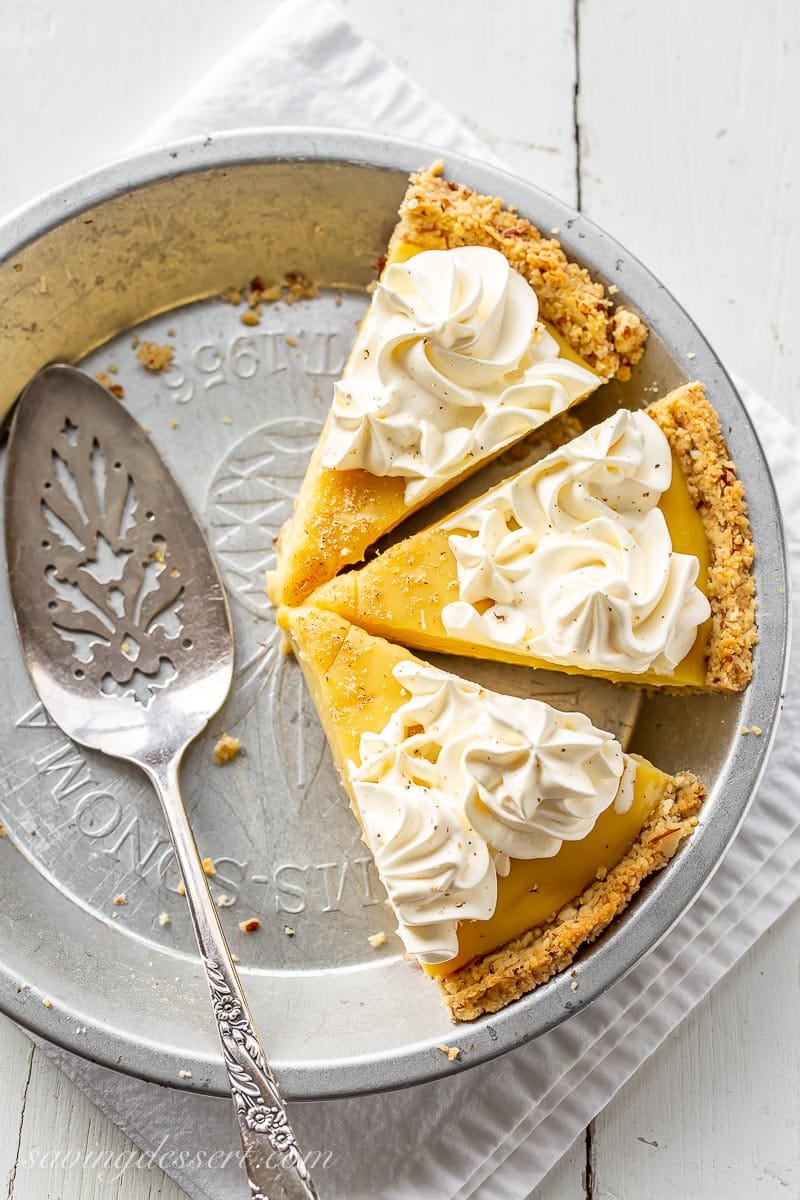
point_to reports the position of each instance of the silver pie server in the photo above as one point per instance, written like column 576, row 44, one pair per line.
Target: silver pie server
column 126, row 632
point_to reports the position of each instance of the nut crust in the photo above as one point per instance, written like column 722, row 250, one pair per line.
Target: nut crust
column 692, row 428
column 437, row 214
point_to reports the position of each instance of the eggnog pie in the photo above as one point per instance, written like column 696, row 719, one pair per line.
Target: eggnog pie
column 625, row 553
column 506, row 833
column 479, row 331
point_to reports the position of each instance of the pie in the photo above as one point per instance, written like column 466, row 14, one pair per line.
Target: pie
column 479, row 331
column 626, row 553
column 507, row 834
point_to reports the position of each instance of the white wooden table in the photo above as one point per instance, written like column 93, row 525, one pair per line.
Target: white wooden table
column 672, row 125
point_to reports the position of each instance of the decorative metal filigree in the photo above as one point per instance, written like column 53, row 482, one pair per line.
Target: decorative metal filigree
column 258, row 1103
column 114, row 597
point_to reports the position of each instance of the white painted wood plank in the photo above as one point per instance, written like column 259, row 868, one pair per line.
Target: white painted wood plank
column 715, row 1113
column 16, row 1055
column 70, row 1150
column 84, row 77
column 690, row 155
column 507, row 71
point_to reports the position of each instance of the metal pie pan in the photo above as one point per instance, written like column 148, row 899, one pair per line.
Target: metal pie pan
column 149, row 242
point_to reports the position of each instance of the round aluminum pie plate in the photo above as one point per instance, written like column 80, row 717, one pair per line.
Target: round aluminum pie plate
column 163, row 233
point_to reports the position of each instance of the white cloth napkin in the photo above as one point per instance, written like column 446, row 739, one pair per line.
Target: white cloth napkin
column 496, row 1130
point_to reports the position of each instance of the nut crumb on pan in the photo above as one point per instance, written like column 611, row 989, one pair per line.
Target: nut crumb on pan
column 227, row 421
column 377, row 939
column 224, row 900
column 452, row 1052
column 3, row 830
column 121, row 898
column 164, row 919
column 756, row 730
column 251, row 925
column 185, row 1074
column 155, row 357
column 250, row 317
column 47, row 1002
column 225, row 749
column 209, row 866
column 287, row 929
column 181, row 888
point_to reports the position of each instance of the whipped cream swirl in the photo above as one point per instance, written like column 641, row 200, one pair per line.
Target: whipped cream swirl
column 572, row 560
column 461, row 779
column 451, row 363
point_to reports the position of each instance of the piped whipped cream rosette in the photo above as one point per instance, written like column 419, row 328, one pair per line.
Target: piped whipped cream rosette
column 573, row 561
column 451, row 361
column 460, row 780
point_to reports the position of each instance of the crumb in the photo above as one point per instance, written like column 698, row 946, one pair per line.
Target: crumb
column 185, row 1074
column 32, row 831
column 112, row 369
column 175, row 573
column 452, row 1052
column 299, row 288
column 117, row 390
column 231, row 296
column 155, row 357
column 287, row 929
column 159, row 554
column 235, row 958
column 377, row 939
column 170, row 332
column 251, row 317
column 174, row 424
column 125, row 647
column 3, row 830
column 227, row 421
column 555, row 231
column 226, row 748
column 47, row 1003
column 612, row 289
column 209, row 866
column 223, row 900
column 756, row 730
column 290, row 341
column 23, row 987
column 574, row 985
column 104, row 378
column 338, row 301
column 181, row 888
column 164, row 919
column 250, row 925
column 121, row 899
column 135, row 340
column 745, row 729
column 691, row 354
column 602, row 873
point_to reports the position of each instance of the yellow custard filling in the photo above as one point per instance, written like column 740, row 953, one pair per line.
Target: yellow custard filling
column 350, row 678
column 401, row 595
column 534, row 890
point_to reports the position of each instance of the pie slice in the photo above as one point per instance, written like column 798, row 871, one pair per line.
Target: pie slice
column 507, row 834
column 626, row 553
column 479, row 331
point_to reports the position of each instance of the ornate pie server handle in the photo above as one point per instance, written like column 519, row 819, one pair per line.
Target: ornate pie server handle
column 276, row 1169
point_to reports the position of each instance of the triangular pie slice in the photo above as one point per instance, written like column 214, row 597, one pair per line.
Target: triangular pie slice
column 626, row 553
column 478, row 332
column 507, row 834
